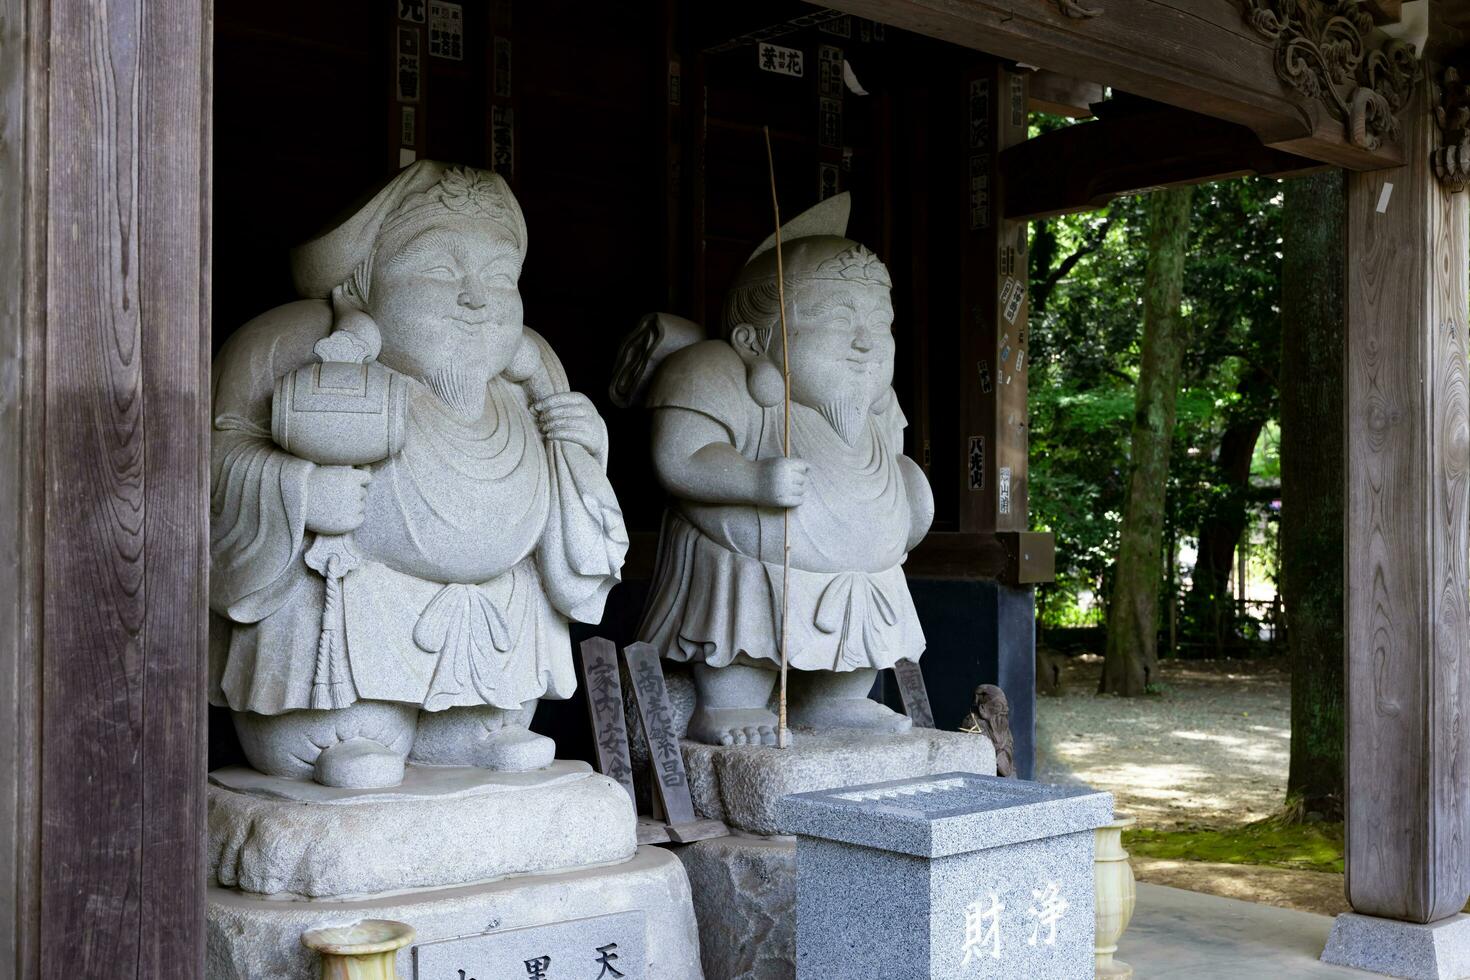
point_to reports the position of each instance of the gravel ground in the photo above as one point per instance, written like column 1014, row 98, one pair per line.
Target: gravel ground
column 1211, row 750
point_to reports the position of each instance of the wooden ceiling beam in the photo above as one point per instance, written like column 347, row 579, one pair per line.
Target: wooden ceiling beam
column 1200, row 55
column 1062, row 95
column 1385, row 11
column 1084, row 166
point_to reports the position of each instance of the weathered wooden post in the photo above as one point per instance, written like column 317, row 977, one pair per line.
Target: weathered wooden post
column 992, row 372
column 1408, row 598
column 105, row 135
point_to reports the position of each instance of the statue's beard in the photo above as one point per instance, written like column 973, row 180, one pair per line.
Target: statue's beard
column 462, row 387
column 847, row 414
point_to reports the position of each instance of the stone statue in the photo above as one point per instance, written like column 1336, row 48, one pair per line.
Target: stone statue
column 856, row 505
column 991, row 717
column 408, row 504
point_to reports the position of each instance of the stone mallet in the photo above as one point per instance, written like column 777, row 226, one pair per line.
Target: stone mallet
column 347, row 410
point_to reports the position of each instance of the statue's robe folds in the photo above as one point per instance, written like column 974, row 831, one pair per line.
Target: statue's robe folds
column 716, row 594
column 481, row 540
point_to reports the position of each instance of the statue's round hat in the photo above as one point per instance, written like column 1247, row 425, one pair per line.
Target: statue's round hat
column 814, row 245
column 426, row 189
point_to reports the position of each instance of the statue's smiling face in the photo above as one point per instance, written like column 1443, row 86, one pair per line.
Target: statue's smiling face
column 841, row 348
column 446, row 302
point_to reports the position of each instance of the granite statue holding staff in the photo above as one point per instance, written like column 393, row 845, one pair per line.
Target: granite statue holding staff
column 855, row 504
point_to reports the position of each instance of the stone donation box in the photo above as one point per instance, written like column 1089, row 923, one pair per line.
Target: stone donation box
column 950, row 876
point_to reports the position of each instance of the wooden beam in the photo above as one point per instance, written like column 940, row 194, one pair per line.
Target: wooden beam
column 1063, row 95
column 1385, row 11
column 1449, row 32
column 952, row 555
column 1408, row 504
column 122, row 652
column 1200, row 55
column 717, row 27
column 1141, row 151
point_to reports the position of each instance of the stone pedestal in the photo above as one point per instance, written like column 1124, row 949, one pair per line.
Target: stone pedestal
column 744, row 885
column 442, row 826
column 741, row 785
column 452, row 852
column 745, row 901
column 1430, row 951
column 947, row 876
column 251, row 937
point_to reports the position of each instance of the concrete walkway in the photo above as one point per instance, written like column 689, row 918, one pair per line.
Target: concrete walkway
column 1177, row 934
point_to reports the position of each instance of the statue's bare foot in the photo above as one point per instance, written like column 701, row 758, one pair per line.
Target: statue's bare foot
column 733, row 726
column 513, row 749
column 359, row 763
column 821, row 713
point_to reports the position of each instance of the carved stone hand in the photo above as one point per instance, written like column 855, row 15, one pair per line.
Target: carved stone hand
column 780, row 482
column 336, row 498
column 571, row 417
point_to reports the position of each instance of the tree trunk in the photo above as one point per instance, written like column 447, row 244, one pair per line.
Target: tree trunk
column 1312, row 467
column 1209, row 601
column 1133, row 613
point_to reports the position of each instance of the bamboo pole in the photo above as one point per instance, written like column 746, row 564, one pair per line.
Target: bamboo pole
column 781, row 733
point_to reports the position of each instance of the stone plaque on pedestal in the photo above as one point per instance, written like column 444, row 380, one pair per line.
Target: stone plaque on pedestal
column 597, row 948
column 950, row 876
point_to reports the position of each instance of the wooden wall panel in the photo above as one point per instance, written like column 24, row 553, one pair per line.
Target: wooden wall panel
column 1408, row 625
column 126, row 506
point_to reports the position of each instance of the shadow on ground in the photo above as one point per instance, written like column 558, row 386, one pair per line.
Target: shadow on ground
column 1209, row 752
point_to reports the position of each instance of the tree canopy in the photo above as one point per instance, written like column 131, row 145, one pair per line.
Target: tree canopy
column 1087, row 280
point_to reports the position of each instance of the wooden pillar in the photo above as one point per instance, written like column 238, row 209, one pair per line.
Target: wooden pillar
column 993, row 342
column 1408, row 501
column 992, row 373
column 104, row 391
column 20, row 245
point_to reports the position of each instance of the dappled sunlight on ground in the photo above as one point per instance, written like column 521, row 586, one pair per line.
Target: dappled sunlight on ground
column 1212, row 749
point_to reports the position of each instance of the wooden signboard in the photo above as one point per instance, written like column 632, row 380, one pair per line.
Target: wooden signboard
column 605, row 705
column 913, row 692
column 666, row 758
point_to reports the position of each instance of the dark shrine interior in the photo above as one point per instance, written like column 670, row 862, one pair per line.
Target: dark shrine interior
column 631, row 133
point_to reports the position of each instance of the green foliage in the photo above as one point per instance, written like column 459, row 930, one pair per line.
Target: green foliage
column 1272, row 843
column 1087, row 275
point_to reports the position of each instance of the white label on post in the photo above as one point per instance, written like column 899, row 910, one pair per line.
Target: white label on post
column 1383, row 196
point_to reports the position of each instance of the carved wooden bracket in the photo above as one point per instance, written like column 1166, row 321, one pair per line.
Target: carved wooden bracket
column 1452, row 113
column 1325, row 51
column 1074, row 9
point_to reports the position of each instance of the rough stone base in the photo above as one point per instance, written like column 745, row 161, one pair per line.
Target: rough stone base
column 1431, row 951
column 745, row 902
column 443, row 826
column 741, row 784
column 252, row 938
